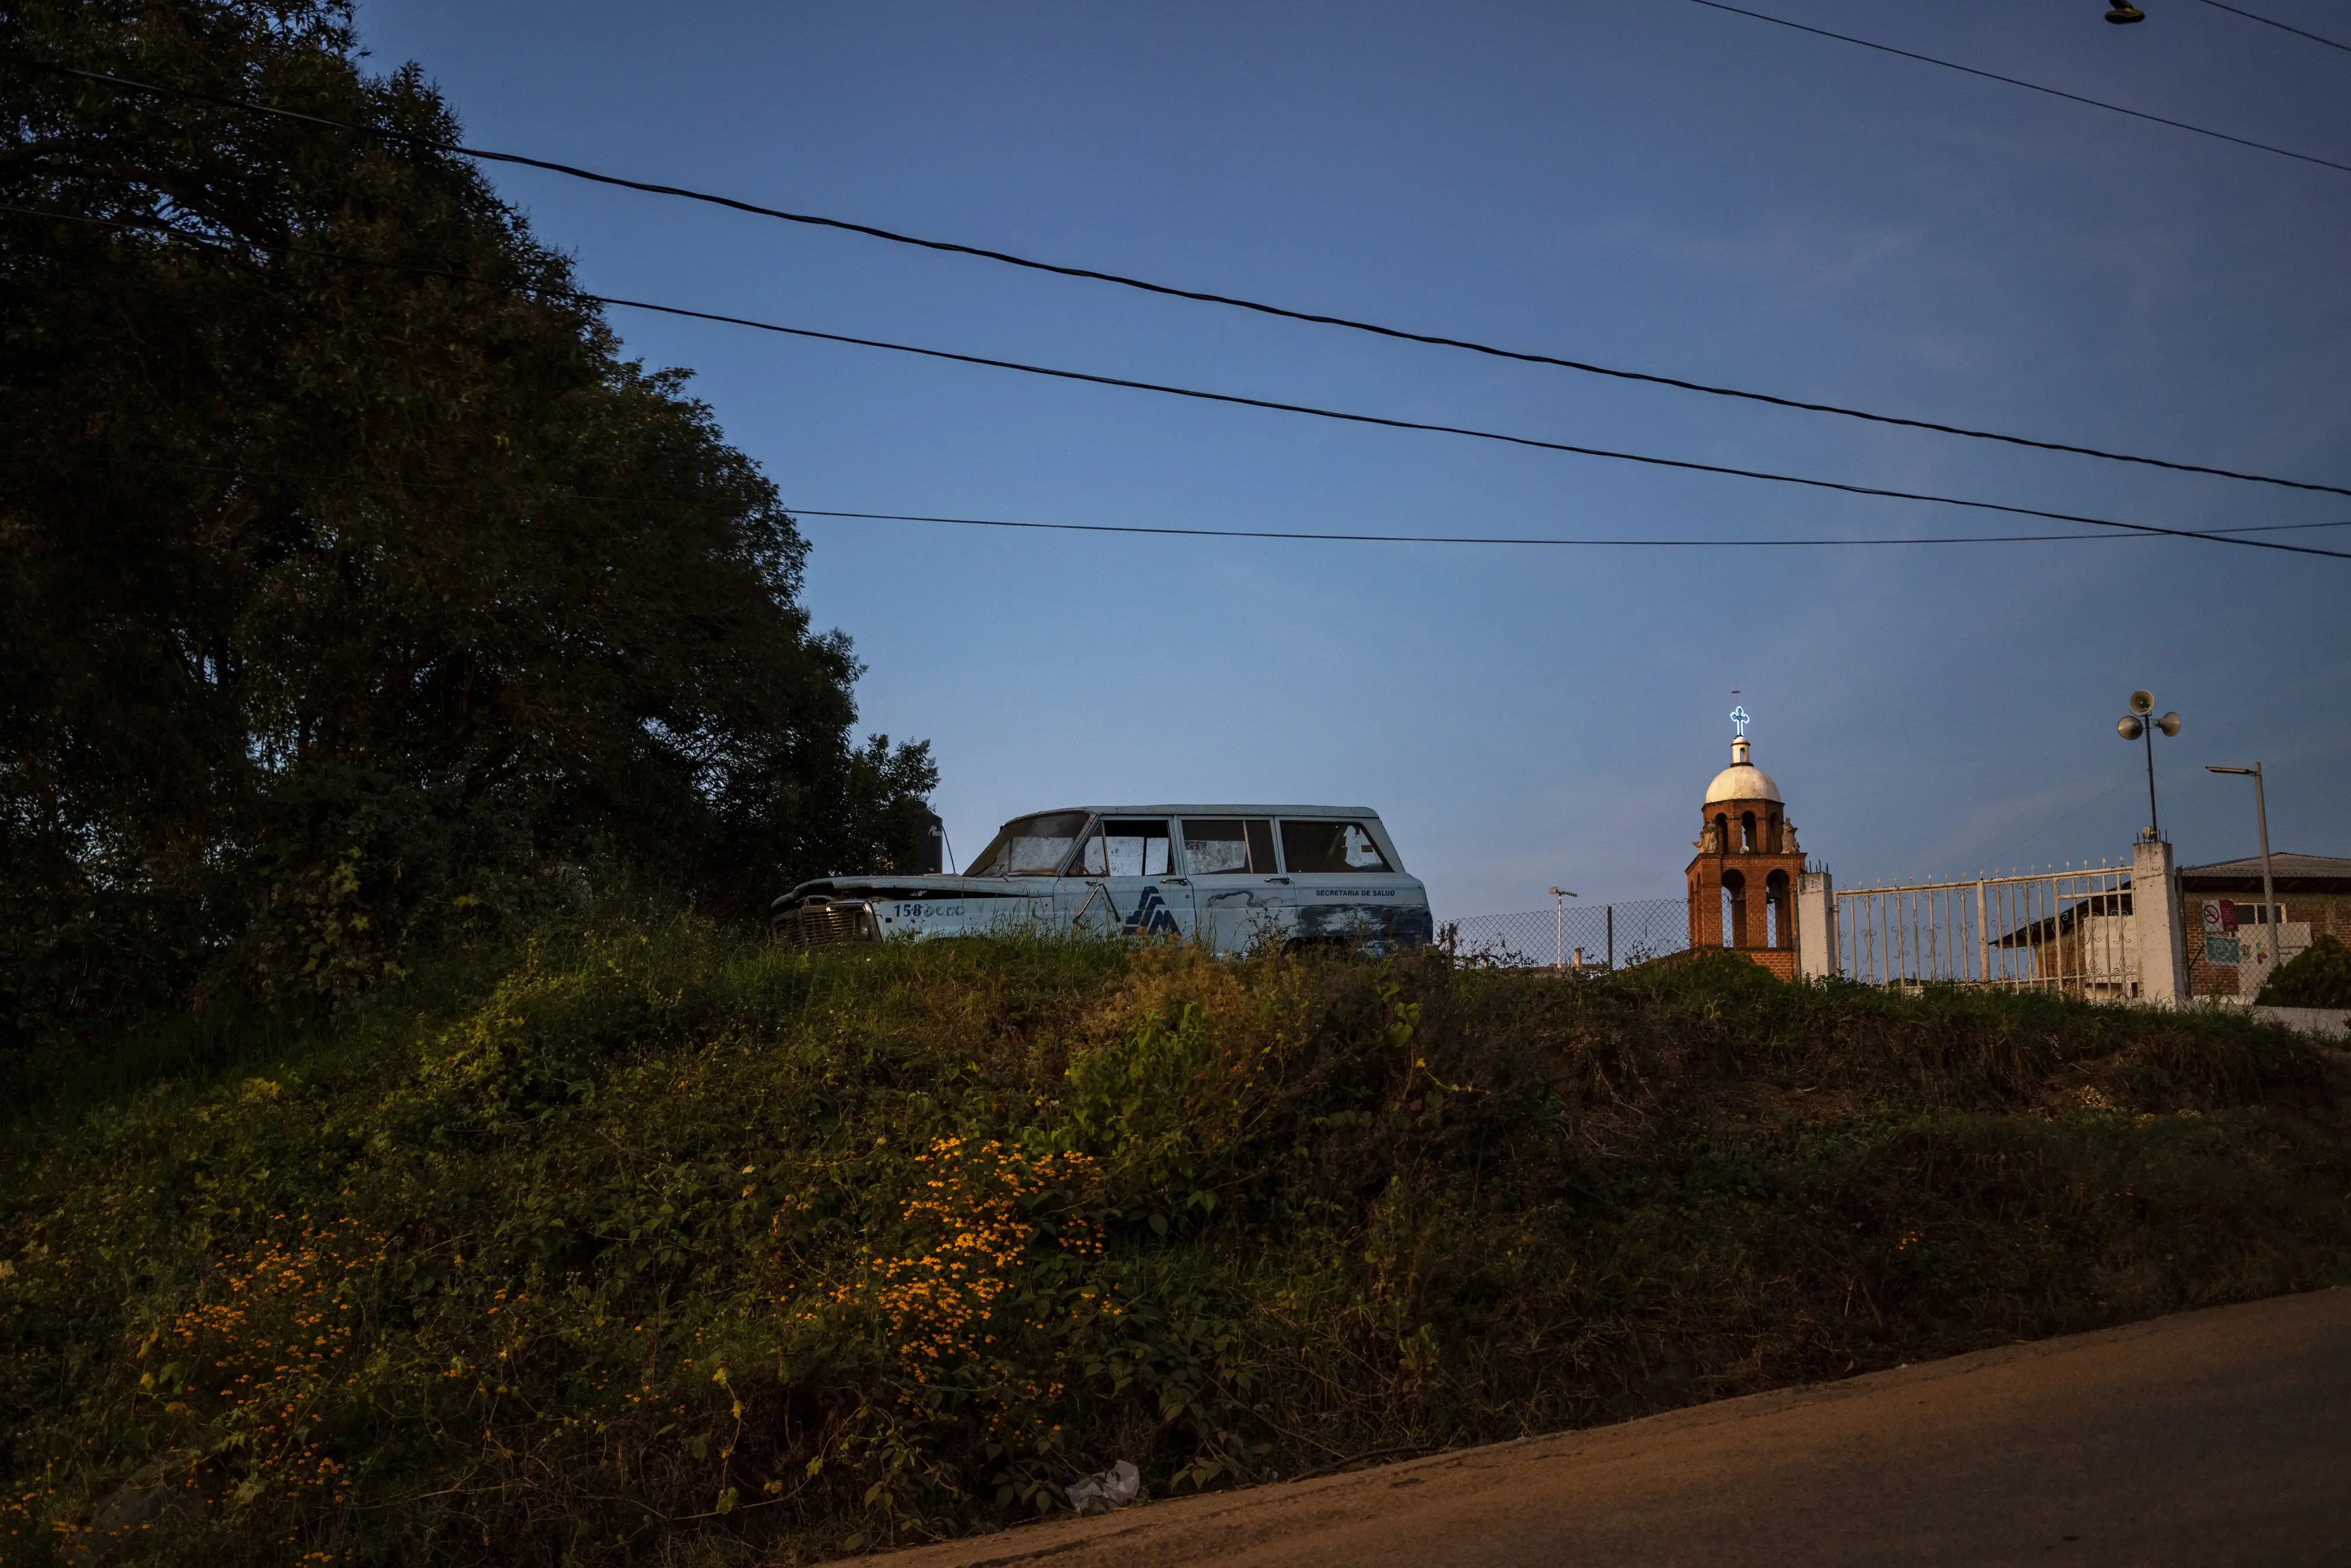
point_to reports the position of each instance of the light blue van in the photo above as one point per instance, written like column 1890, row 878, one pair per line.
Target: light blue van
column 1227, row 877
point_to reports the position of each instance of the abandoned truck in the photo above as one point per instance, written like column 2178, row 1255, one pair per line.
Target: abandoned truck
column 1227, row 877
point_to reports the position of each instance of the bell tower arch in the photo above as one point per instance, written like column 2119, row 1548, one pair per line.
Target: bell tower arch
column 1743, row 881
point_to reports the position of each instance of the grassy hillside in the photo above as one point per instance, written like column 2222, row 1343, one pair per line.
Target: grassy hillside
column 648, row 1243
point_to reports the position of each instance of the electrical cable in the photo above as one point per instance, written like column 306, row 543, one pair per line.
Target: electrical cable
column 1199, row 395
column 2281, row 27
column 1200, row 296
column 2033, row 86
column 565, row 494
column 1464, row 540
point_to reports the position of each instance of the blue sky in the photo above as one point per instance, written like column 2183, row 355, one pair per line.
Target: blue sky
column 1645, row 182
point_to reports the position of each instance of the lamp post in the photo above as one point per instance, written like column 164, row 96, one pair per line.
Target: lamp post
column 2136, row 725
column 1559, row 897
column 2272, row 916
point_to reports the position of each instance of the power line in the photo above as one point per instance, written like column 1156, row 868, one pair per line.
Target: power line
column 2281, row 27
column 1201, row 296
column 1462, row 539
column 2031, row 86
column 561, row 493
column 1199, row 395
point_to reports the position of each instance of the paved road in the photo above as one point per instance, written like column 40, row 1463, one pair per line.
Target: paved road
column 2212, row 1438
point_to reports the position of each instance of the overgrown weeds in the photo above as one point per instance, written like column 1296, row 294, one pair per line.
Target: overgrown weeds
column 657, row 1244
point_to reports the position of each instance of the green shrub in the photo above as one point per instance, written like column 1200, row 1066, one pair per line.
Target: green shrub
column 2318, row 976
column 654, row 1242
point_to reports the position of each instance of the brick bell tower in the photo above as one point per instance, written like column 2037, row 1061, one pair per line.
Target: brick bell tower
column 1742, row 885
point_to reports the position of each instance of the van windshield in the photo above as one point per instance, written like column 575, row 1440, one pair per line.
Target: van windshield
column 1030, row 846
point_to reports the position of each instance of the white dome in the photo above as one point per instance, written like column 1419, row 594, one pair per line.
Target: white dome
column 1742, row 781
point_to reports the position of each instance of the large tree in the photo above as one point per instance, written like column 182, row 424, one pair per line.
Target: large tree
column 348, row 571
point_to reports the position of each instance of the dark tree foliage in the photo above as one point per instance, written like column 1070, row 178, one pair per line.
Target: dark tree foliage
column 345, row 603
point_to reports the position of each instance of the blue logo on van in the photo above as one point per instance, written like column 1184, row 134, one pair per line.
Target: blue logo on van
column 1150, row 914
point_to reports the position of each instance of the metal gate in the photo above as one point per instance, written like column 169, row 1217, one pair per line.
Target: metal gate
column 2067, row 931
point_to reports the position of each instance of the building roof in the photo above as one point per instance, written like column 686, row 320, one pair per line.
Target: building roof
column 1742, row 781
column 2302, row 873
column 2033, row 933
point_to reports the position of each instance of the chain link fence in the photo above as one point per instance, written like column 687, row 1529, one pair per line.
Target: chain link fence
column 1595, row 937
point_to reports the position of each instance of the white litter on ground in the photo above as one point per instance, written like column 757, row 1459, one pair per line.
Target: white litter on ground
column 1114, row 1487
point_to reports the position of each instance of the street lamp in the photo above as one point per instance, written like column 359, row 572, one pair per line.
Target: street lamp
column 2124, row 11
column 2271, row 916
column 2135, row 724
column 1559, row 897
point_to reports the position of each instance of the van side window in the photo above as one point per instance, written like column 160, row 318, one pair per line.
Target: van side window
column 1136, row 846
column 1225, row 845
column 1090, row 860
column 1323, row 847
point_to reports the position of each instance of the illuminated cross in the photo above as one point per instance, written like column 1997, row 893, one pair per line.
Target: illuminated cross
column 1738, row 717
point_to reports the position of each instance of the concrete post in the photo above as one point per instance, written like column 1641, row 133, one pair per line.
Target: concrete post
column 1817, row 932
column 2156, row 929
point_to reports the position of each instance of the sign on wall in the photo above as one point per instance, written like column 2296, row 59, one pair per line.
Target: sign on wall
column 2220, row 942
